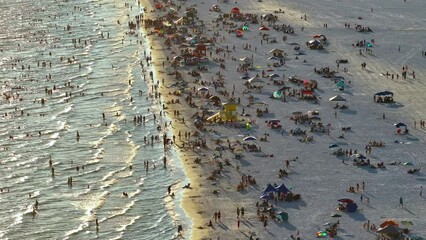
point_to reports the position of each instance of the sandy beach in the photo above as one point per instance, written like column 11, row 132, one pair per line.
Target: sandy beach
column 290, row 128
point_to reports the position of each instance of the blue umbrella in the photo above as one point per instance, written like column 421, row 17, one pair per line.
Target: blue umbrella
column 398, row 125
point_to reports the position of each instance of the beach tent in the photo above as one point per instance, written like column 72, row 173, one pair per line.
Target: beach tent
column 269, row 188
column 340, row 84
column 283, row 216
column 351, row 207
column 282, row 189
column 277, row 94
column 337, row 98
column 235, row 10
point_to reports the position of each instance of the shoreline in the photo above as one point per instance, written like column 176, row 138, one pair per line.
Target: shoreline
column 200, row 202
column 186, row 156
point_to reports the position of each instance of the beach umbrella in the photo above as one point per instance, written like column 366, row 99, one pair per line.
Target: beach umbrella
column 274, row 75
column 245, row 77
column 246, row 60
column 255, row 80
column 345, row 200
column 264, row 28
column 400, row 124
column 235, row 10
column 273, row 58
column 249, row 138
column 203, row 89
column 359, row 156
column 215, row 98
column 333, row 146
column 389, row 222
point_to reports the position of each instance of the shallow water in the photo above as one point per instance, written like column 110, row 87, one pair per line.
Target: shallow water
column 36, row 46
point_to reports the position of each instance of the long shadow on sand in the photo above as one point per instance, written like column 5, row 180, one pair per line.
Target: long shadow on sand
column 286, row 225
column 357, row 216
column 395, row 105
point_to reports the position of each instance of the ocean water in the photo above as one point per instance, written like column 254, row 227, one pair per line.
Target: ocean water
column 64, row 64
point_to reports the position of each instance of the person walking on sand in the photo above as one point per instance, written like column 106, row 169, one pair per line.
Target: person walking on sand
column 238, row 212
column 265, row 223
column 401, row 202
column 242, row 211
column 238, row 224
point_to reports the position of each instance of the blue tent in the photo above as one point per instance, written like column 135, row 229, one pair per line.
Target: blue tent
column 282, row 189
column 269, row 188
column 351, row 207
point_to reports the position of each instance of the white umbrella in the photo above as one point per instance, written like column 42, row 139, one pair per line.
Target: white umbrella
column 203, row 89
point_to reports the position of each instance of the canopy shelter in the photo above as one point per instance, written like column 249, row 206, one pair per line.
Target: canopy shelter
column 269, row 188
column 282, row 189
column 384, row 93
column 255, row 80
column 384, row 97
column 337, row 98
column 246, row 60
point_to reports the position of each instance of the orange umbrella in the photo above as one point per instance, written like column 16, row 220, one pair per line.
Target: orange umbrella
column 389, row 222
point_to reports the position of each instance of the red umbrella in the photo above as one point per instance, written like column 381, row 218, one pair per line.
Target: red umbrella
column 264, row 29
column 235, row 10
column 345, row 200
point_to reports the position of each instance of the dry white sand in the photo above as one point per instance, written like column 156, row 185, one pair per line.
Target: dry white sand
column 318, row 176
